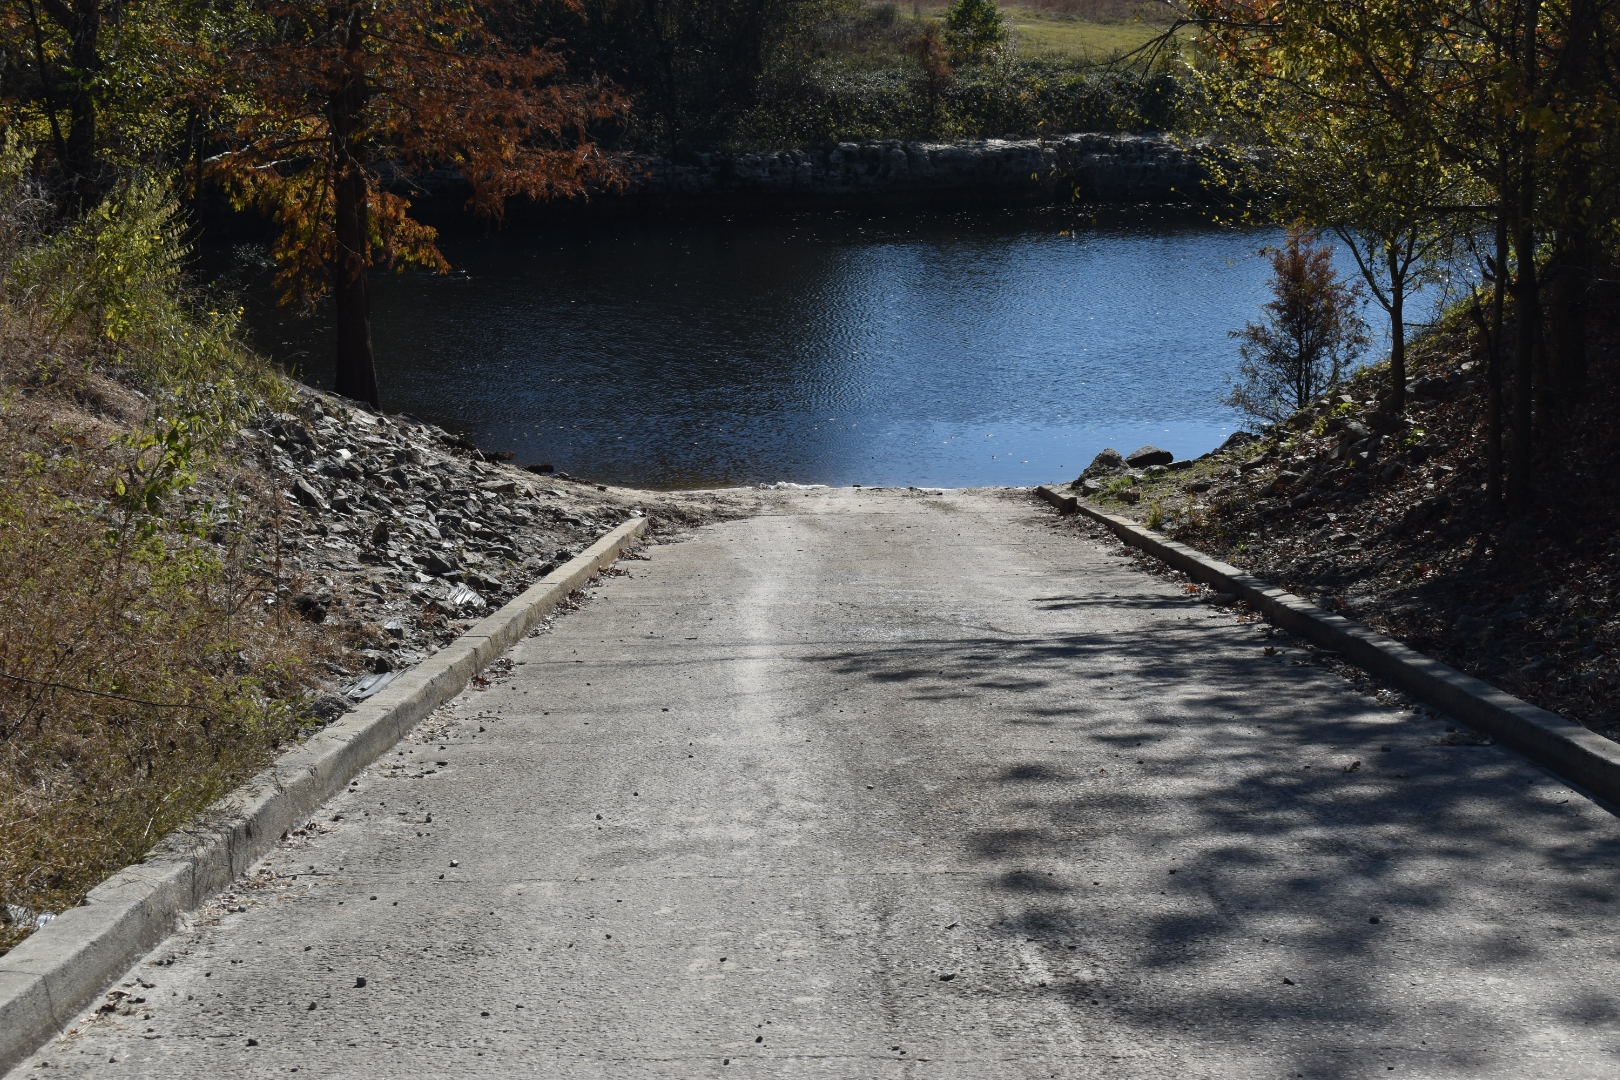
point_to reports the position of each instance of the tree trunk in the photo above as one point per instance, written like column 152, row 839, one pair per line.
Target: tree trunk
column 1527, row 296
column 356, row 367
column 1493, row 367
column 1397, row 333
column 1527, row 303
column 47, row 94
column 1577, row 259
column 1577, row 220
column 669, row 105
column 82, row 150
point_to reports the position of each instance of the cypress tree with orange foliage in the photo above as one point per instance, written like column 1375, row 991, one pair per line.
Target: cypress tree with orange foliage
column 341, row 102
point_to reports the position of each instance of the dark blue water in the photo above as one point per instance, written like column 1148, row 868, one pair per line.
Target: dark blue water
column 950, row 348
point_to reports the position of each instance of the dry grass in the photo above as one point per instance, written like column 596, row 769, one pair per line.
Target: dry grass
column 1088, row 10
column 144, row 669
column 1091, row 30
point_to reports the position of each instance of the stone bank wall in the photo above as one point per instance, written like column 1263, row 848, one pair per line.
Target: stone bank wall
column 1091, row 167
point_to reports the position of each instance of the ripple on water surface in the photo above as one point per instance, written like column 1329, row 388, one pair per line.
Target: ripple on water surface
column 963, row 348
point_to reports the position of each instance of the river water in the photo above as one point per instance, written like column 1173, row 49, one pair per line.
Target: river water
column 950, row 348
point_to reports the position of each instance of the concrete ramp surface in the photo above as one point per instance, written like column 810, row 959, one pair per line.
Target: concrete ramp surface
column 905, row 785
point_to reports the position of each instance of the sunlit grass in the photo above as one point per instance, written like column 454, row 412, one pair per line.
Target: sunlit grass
column 1039, row 32
column 1086, row 29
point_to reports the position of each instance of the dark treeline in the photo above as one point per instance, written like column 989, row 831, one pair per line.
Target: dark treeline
column 708, row 74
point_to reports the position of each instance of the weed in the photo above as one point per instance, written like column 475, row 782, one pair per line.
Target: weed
column 1191, row 513
column 1411, row 438
column 143, row 669
column 1335, row 415
column 1118, row 483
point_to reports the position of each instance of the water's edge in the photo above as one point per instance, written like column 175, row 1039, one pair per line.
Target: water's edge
column 1097, row 167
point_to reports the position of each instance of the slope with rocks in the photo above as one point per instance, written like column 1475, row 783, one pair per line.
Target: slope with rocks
column 1385, row 519
column 397, row 535
column 323, row 551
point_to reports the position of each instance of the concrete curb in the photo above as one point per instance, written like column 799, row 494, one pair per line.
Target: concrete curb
column 51, row 976
column 1580, row 756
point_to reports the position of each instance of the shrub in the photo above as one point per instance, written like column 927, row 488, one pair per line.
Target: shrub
column 974, row 29
column 833, row 100
column 143, row 669
column 1307, row 338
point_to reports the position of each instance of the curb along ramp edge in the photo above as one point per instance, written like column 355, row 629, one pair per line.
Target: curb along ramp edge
column 1576, row 754
column 52, row 975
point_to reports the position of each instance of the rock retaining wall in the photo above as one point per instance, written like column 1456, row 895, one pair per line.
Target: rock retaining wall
column 1088, row 166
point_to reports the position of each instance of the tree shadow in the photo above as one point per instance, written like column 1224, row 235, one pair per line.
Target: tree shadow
column 1231, row 854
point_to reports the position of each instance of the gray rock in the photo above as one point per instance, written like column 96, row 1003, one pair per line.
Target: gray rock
column 379, row 661
column 314, row 608
column 306, row 494
column 1430, row 386
column 1107, row 463
column 1420, row 452
column 1149, row 455
column 329, row 707
column 439, row 563
column 1236, row 441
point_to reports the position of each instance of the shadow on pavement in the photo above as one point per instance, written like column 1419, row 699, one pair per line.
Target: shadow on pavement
column 1232, row 852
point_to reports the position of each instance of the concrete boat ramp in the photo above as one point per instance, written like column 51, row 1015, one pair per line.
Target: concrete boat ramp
column 890, row 784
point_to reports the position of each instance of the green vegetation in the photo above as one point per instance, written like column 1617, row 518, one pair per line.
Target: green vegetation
column 974, row 30
column 1308, row 336
column 142, row 672
column 871, row 74
column 757, row 74
column 1426, row 132
column 1038, row 32
column 1092, row 30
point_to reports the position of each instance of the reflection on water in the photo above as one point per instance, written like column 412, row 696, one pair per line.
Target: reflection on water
column 963, row 348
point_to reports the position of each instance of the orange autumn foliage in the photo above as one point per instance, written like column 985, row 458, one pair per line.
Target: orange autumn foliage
column 342, row 102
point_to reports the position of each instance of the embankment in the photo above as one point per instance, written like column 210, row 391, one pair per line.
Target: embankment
column 1081, row 167
column 1086, row 166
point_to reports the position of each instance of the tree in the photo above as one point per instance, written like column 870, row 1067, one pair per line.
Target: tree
column 974, row 29
column 347, row 99
column 1306, row 159
column 694, row 67
column 1517, row 102
column 1308, row 337
column 80, row 82
column 62, row 41
column 934, row 71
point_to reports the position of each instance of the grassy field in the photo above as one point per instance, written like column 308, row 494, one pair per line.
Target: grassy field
column 1040, row 32
column 1089, row 29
